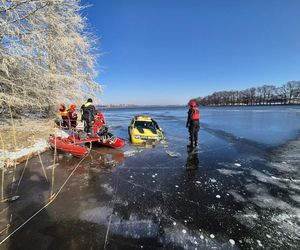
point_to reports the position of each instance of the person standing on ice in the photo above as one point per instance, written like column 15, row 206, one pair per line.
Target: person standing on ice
column 88, row 113
column 193, row 123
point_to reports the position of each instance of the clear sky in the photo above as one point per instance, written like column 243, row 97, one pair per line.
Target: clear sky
column 168, row 51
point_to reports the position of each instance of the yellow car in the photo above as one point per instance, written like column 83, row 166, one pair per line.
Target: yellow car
column 144, row 129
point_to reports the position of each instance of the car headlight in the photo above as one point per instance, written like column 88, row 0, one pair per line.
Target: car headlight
column 137, row 137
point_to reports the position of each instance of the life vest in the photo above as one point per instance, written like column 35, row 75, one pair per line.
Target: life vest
column 196, row 114
column 98, row 122
column 72, row 118
column 64, row 114
column 85, row 105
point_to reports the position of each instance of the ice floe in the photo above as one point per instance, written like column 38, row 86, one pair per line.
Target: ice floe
column 259, row 243
column 295, row 198
column 173, row 154
column 229, row 171
column 248, row 218
column 231, row 241
column 237, row 197
column 267, row 179
column 130, row 153
column 213, row 180
column 108, row 189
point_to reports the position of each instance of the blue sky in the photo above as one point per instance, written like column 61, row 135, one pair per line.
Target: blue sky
column 168, row 51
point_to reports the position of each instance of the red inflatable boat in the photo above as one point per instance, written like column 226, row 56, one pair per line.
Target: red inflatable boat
column 66, row 145
column 77, row 147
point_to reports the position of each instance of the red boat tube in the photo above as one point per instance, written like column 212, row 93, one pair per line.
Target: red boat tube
column 112, row 143
column 66, row 145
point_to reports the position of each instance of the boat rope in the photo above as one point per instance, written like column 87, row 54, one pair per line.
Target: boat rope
column 51, row 199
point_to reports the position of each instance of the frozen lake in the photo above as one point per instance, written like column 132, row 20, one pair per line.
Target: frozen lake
column 240, row 189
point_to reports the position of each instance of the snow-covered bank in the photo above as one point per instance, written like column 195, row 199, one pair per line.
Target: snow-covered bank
column 22, row 139
column 7, row 158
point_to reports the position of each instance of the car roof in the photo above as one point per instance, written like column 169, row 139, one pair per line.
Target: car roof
column 143, row 118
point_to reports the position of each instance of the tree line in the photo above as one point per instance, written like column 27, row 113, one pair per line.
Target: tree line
column 288, row 93
column 47, row 55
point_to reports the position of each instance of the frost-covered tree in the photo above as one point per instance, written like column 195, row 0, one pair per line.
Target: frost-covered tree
column 46, row 55
column 292, row 90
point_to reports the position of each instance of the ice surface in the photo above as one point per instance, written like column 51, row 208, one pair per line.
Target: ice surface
column 245, row 190
column 257, row 124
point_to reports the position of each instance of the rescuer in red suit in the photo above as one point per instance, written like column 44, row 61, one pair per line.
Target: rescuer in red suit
column 193, row 123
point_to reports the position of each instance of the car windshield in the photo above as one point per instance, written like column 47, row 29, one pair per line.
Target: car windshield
column 145, row 124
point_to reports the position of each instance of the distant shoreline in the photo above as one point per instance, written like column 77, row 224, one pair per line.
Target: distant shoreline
column 182, row 106
column 253, row 105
